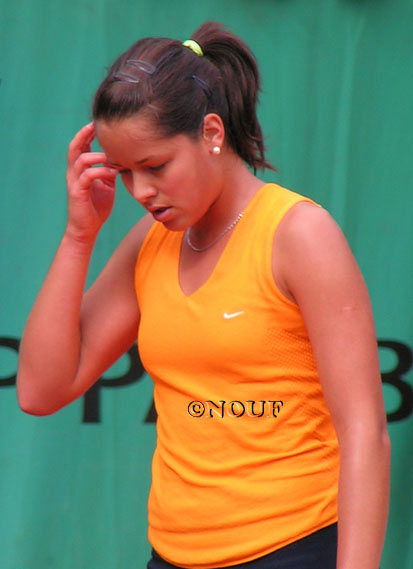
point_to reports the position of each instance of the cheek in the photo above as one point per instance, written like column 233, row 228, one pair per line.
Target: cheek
column 193, row 171
column 177, row 180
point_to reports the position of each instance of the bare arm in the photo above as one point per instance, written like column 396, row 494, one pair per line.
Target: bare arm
column 315, row 268
column 70, row 337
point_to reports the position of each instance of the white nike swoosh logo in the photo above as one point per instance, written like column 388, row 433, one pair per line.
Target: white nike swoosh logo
column 233, row 314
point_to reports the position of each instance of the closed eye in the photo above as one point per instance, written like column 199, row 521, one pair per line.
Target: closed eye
column 157, row 168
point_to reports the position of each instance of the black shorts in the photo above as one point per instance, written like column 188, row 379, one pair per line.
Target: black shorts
column 315, row 551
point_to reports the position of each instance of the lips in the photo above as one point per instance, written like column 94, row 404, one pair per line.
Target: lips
column 160, row 213
column 157, row 208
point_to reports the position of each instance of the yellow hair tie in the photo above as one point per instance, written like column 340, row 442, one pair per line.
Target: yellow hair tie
column 194, row 46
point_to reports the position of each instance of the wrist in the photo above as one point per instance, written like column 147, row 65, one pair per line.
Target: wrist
column 78, row 244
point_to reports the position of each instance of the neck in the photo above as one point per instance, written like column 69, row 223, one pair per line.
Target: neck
column 238, row 187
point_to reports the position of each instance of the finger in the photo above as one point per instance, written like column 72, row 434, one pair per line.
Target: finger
column 108, row 175
column 105, row 185
column 101, row 192
column 87, row 160
column 103, row 197
column 81, row 142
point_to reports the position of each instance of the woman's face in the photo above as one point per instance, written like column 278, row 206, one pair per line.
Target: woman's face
column 175, row 178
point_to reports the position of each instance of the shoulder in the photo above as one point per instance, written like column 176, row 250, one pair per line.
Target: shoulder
column 311, row 251
column 136, row 236
column 121, row 264
column 307, row 224
column 133, row 240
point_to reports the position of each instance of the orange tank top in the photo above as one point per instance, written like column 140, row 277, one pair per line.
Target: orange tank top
column 247, row 458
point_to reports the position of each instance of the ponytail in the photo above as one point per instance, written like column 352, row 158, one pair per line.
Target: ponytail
column 239, row 76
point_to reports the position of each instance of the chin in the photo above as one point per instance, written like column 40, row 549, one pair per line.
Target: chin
column 174, row 225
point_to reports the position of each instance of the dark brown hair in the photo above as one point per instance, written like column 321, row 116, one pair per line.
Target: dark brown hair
column 177, row 88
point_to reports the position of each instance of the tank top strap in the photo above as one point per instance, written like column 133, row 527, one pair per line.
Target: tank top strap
column 250, row 249
column 267, row 209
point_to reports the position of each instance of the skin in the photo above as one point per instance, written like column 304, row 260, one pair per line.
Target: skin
column 312, row 265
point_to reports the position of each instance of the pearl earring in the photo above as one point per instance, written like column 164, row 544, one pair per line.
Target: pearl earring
column 216, row 150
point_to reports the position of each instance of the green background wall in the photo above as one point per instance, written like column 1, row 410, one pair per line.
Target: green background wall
column 337, row 112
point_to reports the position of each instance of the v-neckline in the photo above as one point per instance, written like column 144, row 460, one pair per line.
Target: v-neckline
column 223, row 253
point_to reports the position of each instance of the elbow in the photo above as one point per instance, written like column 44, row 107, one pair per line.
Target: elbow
column 386, row 443
column 32, row 406
column 379, row 444
column 368, row 439
column 383, row 438
column 381, row 454
column 32, row 402
column 35, row 410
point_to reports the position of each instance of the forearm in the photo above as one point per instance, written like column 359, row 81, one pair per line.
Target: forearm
column 363, row 501
column 50, row 348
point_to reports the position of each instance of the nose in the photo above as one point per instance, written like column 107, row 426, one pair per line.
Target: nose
column 142, row 189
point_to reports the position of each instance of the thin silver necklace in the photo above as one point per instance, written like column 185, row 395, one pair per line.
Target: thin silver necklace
column 200, row 249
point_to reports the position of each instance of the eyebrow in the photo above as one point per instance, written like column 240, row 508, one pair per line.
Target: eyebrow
column 138, row 163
